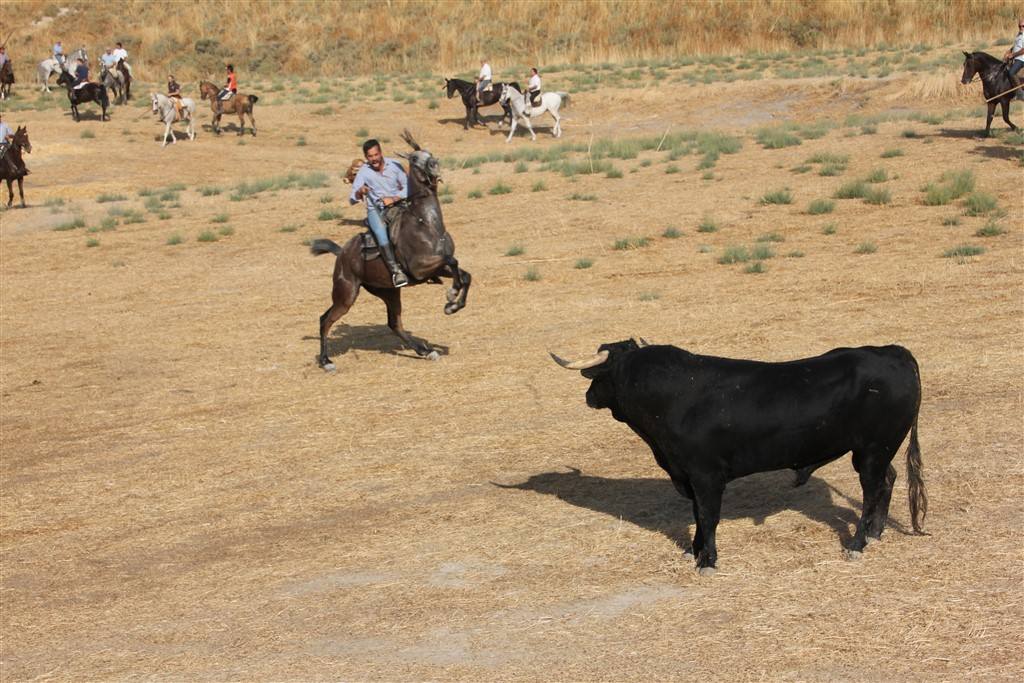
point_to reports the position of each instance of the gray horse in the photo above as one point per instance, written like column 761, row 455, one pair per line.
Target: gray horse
column 163, row 106
column 51, row 67
column 113, row 79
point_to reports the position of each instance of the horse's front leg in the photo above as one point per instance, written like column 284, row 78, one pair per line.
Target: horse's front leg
column 988, row 118
column 10, row 192
column 21, row 190
column 529, row 127
column 513, row 130
column 1006, row 113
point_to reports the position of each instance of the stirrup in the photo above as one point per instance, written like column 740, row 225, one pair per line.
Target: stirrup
column 399, row 279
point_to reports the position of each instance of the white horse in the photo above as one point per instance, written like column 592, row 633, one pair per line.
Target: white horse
column 51, row 67
column 550, row 102
column 163, row 106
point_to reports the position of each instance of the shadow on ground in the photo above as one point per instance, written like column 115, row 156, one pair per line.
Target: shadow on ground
column 378, row 338
column 654, row 504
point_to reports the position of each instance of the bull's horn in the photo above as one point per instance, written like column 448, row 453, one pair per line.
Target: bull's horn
column 640, row 341
column 601, row 357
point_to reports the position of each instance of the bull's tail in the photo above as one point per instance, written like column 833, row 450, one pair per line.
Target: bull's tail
column 318, row 247
column 916, row 494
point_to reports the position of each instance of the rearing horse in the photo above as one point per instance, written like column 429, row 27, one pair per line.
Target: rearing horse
column 12, row 167
column 995, row 79
column 468, row 92
column 423, row 247
column 239, row 104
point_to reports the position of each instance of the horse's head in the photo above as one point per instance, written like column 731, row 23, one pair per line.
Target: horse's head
column 21, row 139
column 506, row 92
column 970, row 68
column 450, row 85
column 154, row 101
column 65, row 78
column 422, row 164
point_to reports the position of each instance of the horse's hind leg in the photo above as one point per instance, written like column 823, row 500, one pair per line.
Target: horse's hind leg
column 241, row 122
column 392, row 298
column 10, row 192
column 252, row 122
column 343, row 296
column 558, row 124
column 461, row 280
column 988, row 118
column 21, row 190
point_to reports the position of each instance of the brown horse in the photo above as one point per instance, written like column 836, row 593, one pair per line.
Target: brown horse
column 239, row 104
column 12, row 166
column 6, row 79
column 423, row 247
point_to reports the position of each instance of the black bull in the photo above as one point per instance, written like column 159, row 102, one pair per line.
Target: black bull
column 710, row 420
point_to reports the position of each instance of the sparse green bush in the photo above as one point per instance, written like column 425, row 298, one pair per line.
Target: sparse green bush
column 783, row 196
column 707, row 224
column 176, row 238
column 648, row 296
column 734, row 255
column 866, row 248
column 220, row 218
column 209, row 190
column 207, row 236
column 92, row 242
column 521, row 167
column 226, row 230
column 499, row 188
column 532, row 274
column 538, row 186
column 853, row 190
column 979, row 204
column 755, row 267
column 820, row 206
column 77, row 222
column 990, row 229
column 672, row 233
column 879, row 175
column 515, row 250
column 771, row 237
column 103, row 198
column 963, row 251
column 877, row 195
column 328, row 215
column 577, row 197
column 951, row 220
column 475, row 194
column 829, row 229
column 631, row 243
column 890, row 153
column 583, row 263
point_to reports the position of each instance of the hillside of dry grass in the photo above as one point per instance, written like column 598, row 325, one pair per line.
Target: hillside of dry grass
column 365, row 37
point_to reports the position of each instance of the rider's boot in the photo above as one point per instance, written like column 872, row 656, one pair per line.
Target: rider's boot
column 398, row 278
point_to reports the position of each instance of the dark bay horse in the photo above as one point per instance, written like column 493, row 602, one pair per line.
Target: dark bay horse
column 126, row 75
column 994, row 79
column 6, row 79
column 12, row 166
column 239, row 104
column 90, row 92
column 468, row 92
column 423, row 247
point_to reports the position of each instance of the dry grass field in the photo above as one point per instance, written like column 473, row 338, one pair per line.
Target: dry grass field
column 186, row 496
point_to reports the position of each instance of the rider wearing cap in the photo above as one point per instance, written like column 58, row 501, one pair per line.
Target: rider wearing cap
column 229, row 89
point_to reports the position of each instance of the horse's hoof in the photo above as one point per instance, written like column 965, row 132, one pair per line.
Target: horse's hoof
column 433, row 355
column 853, row 555
column 328, row 367
column 452, row 294
column 451, row 308
column 706, row 571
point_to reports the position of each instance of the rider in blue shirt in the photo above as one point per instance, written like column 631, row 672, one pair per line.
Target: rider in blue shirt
column 381, row 183
column 81, row 73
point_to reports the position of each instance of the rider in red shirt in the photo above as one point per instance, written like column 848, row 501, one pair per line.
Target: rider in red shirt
column 229, row 89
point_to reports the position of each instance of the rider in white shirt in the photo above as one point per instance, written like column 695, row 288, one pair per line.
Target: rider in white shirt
column 58, row 53
column 108, row 58
column 119, row 54
column 533, row 87
column 1015, row 57
column 484, row 79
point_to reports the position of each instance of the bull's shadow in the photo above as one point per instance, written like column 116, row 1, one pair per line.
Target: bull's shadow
column 654, row 503
column 377, row 338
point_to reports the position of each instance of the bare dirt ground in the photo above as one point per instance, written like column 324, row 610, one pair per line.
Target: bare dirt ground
column 187, row 496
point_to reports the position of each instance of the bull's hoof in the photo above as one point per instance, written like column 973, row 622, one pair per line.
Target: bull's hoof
column 706, row 571
column 853, row 555
column 433, row 355
column 452, row 308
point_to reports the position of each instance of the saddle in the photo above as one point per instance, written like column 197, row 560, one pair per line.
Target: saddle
column 392, row 216
column 489, row 87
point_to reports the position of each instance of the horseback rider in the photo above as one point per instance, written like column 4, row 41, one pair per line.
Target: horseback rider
column 174, row 94
column 121, row 55
column 81, row 74
column 108, row 59
column 228, row 91
column 1014, row 58
column 58, row 54
column 3, row 57
column 381, row 183
column 533, row 87
column 6, row 140
column 483, row 79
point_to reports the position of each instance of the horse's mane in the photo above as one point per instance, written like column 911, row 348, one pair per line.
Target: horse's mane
column 988, row 59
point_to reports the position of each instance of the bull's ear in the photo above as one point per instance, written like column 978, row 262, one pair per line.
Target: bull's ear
column 967, row 54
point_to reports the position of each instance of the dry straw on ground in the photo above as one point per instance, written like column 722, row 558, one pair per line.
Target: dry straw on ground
column 184, row 494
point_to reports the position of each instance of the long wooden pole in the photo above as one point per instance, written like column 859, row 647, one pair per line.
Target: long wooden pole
column 1016, row 87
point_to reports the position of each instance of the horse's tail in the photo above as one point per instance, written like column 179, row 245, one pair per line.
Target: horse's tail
column 253, row 99
column 565, row 98
column 104, row 99
column 317, row 247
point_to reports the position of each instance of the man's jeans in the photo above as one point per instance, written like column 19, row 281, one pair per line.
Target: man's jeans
column 1015, row 66
column 377, row 227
